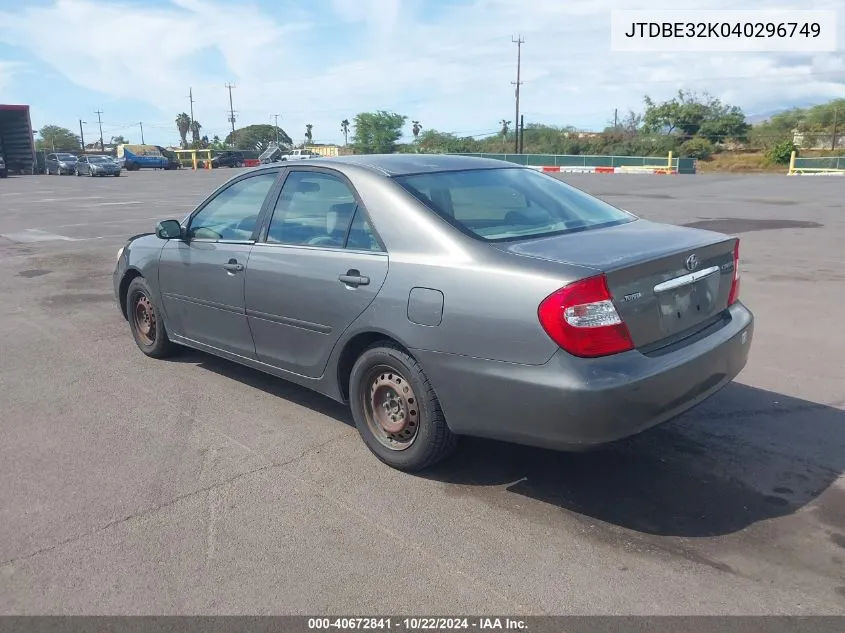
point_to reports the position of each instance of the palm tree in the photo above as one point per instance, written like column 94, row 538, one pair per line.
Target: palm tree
column 196, row 126
column 344, row 127
column 505, row 128
column 308, row 135
column 183, row 124
column 416, row 129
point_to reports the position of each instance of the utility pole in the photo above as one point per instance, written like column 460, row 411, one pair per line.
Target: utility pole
column 833, row 142
column 276, row 116
column 231, row 114
column 191, row 99
column 81, row 135
column 521, row 132
column 519, row 42
column 615, row 118
column 141, row 123
column 100, row 122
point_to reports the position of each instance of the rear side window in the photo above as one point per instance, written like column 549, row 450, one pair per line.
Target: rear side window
column 510, row 204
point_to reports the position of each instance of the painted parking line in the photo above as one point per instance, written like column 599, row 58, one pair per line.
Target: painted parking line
column 71, row 199
column 114, row 204
column 96, row 223
column 34, row 235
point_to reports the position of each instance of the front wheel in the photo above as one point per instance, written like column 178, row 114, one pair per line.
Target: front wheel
column 145, row 321
column 396, row 410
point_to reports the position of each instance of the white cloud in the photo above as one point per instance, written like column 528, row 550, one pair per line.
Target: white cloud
column 8, row 71
column 448, row 65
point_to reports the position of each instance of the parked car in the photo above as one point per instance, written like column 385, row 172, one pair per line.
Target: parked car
column 228, row 159
column 300, row 154
column 4, row 172
column 97, row 166
column 61, row 163
column 514, row 306
column 173, row 161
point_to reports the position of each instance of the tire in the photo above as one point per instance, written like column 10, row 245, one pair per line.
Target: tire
column 152, row 341
column 90, row 173
column 410, row 433
column 116, row 174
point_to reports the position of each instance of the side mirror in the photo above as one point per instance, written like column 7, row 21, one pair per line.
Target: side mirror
column 169, row 230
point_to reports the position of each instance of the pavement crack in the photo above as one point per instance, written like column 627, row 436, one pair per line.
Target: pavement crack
column 175, row 500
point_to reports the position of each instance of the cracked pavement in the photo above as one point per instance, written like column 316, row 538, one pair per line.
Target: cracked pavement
column 195, row 486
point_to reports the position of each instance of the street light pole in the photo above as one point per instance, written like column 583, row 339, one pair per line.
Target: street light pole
column 81, row 135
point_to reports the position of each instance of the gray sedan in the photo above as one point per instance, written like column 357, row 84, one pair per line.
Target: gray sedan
column 443, row 296
column 60, row 163
column 97, row 166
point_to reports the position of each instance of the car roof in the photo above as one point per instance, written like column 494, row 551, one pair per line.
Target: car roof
column 403, row 164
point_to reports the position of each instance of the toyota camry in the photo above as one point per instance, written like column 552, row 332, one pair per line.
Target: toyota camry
column 445, row 296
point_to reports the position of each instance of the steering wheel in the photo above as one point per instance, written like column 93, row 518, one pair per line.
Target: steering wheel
column 322, row 240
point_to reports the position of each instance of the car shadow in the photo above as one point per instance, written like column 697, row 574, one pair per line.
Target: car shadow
column 744, row 456
column 267, row 383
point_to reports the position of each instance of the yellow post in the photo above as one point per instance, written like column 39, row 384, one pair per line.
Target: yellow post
column 194, row 159
column 670, row 161
column 791, row 164
column 208, row 159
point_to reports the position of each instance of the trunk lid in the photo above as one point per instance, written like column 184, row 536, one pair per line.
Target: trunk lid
column 666, row 281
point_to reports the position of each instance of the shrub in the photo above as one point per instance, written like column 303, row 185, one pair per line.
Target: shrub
column 781, row 152
column 697, row 147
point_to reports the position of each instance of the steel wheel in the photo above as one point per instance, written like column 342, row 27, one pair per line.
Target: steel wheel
column 390, row 407
column 144, row 316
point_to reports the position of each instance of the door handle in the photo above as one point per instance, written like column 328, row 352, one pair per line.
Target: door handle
column 233, row 266
column 354, row 278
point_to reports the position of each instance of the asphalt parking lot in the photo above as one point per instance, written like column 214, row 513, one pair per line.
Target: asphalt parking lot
column 194, row 486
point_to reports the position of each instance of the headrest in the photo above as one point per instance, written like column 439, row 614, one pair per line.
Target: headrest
column 339, row 214
column 442, row 199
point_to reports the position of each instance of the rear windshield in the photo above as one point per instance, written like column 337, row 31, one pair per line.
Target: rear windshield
column 510, row 204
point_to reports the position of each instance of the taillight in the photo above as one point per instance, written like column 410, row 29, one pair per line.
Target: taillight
column 582, row 319
column 733, row 297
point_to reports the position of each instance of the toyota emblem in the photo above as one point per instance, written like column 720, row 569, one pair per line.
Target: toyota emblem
column 692, row 262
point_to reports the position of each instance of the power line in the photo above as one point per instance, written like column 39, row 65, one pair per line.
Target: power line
column 519, row 41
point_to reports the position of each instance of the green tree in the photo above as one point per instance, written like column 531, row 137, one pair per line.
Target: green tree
column 308, row 134
column 344, row 127
column 183, row 124
column 196, row 126
column 53, row 138
column 434, row 142
column 689, row 114
column 257, row 137
column 377, row 132
column 416, row 129
column 119, row 140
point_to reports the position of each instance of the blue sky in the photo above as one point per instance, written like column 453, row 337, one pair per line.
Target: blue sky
column 446, row 63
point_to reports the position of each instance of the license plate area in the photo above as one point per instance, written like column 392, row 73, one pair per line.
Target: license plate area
column 686, row 305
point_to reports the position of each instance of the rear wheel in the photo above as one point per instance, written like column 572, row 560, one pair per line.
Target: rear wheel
column 145, row 321
column 396, row 410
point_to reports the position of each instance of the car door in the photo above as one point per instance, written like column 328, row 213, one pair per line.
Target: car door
column 50, row 163
column 315, row 268
column 82, row 165
column 201, row 277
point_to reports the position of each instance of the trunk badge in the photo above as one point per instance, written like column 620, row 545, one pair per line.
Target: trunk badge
column 692, row 262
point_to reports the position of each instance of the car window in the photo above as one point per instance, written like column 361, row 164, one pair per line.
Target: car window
column 361, row 235
column 314, row 209
column 232, row 214
column 510, row 203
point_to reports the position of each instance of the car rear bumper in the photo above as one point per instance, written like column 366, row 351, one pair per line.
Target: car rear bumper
column 574, row 403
